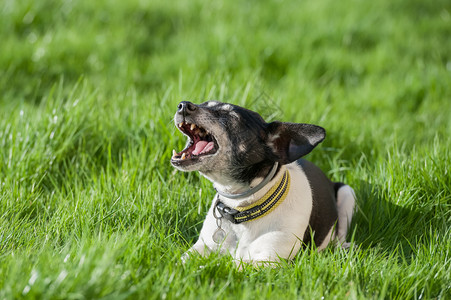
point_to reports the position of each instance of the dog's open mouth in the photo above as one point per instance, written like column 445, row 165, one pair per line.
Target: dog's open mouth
column 201, row 143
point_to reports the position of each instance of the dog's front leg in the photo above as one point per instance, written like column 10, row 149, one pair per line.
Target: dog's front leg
column 200, row 247
column 205, row 244
column 269, row 248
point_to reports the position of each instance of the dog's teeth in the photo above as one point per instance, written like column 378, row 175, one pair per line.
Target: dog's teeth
column 181, row 124
column 174, row 153
column 193, row 126
column 183, row 156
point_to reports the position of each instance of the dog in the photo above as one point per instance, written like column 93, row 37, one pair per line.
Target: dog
column 269, row 202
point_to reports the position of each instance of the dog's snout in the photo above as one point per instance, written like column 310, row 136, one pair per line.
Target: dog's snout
column 186, row 107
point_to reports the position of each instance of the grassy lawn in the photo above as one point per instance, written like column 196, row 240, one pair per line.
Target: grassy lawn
column 90, row 206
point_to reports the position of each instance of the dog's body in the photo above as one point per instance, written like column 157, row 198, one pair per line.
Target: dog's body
column 269, row 201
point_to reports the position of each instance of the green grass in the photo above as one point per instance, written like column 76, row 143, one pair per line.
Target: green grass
column 90, row 206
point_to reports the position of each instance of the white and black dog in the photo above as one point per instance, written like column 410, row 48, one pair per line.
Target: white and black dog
column 269, row 202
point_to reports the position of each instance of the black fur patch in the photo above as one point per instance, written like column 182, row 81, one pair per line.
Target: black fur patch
column 254, row 145
column 324, row 211
column 249, row 129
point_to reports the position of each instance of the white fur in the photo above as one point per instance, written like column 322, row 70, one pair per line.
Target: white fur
column 242, row 147
column 330, row 237
column 268, row 238
column 227, row 107
column 271, row 140
column 345, row 209
column 213, row 103
column 278, row 234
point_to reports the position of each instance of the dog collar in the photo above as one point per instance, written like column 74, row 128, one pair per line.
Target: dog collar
column 260, row 208
column 254, row 189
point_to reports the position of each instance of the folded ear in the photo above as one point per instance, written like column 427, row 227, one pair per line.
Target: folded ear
column 291, row 141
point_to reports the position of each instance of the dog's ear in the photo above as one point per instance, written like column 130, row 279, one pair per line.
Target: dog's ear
column 291, row 141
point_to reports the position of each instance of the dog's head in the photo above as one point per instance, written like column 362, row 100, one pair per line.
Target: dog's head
column 231, row 142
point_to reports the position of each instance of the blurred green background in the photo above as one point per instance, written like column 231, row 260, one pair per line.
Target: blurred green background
column 368, row 58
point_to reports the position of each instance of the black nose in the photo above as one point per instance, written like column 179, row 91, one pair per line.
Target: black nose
column 186, row 107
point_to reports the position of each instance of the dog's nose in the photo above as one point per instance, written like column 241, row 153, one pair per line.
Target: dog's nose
column 186, row 107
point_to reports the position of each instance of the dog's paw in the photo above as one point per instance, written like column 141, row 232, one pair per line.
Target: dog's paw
column 349, row 246
column 187, row 256
column 243, row 264
column 346, row 245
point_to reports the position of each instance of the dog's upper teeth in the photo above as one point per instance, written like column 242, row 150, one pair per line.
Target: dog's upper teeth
column 183, row 156
column 193, row 126
column 174, row 153
column 181, row 124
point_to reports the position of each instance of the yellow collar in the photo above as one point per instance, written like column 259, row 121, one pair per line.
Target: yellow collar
column 260, row 208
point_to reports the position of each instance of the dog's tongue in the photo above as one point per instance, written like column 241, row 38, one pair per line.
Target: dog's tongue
column 203, row 146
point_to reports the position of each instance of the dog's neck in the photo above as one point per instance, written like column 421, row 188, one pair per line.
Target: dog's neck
column 227, row 183
column 235, row 194
column 255, row 186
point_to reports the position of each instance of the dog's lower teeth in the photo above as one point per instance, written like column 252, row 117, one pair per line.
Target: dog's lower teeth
column 183, row 156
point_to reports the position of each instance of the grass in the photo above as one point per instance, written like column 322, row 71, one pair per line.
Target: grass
column 90, row 206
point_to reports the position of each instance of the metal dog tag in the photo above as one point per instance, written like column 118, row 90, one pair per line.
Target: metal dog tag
column 219, row 235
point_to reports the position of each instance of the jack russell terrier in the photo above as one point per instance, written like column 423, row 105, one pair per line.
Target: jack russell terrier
column 269, row 202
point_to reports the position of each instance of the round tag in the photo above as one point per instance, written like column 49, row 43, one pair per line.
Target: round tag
column 219, row 235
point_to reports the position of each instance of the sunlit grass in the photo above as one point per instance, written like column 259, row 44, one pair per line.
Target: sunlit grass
column 90, row 206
